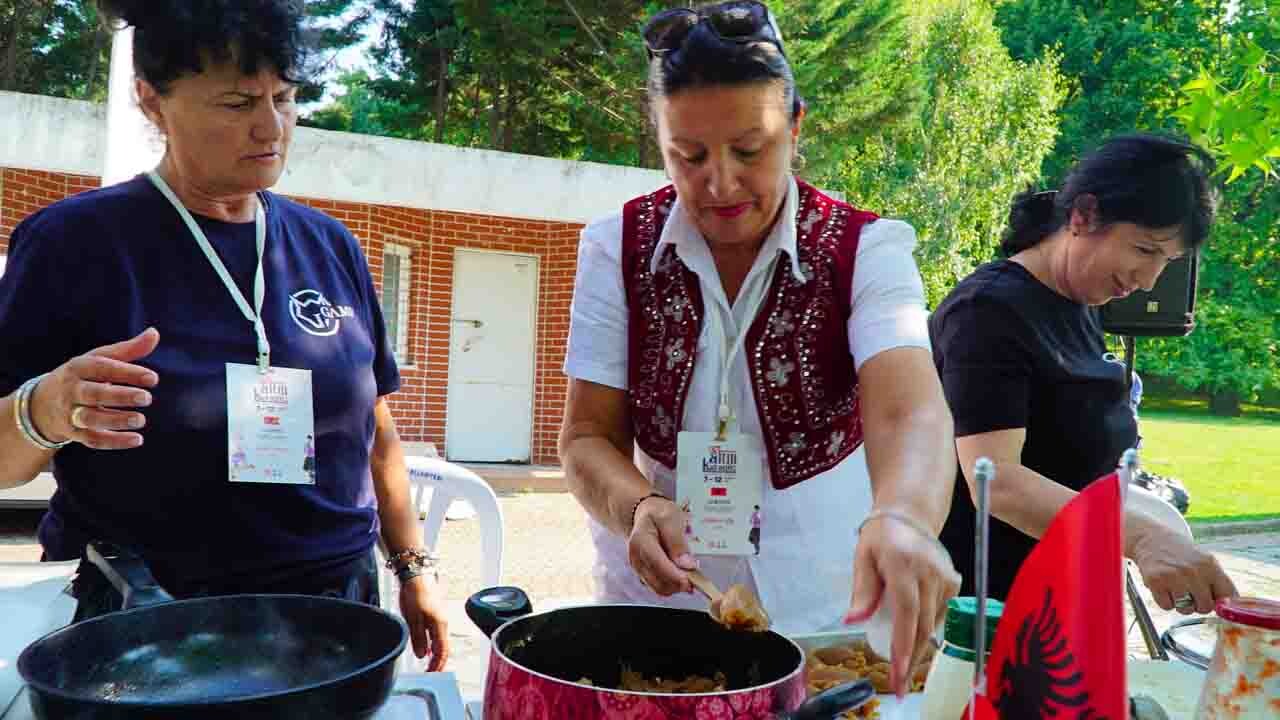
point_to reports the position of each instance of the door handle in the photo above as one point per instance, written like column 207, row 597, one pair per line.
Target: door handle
column 472, row 323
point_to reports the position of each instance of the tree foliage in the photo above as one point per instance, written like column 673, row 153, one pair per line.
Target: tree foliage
column 934, row 111
column 1240, row 120
column 53, row 47
column 856, row 68
column 986, row 124
column 63, row 48
column 1196, row 68
column 567, row 79
column 544, row 77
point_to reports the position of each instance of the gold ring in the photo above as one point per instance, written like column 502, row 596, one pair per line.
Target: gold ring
column 76, row 420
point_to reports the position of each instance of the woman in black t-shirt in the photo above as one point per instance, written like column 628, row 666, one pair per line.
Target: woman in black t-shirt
column 1020, row 350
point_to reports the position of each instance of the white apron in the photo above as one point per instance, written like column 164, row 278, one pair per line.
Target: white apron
column 804, row 573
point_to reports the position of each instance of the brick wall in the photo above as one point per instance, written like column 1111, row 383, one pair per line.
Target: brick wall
column 22, row 192
column 432, row 236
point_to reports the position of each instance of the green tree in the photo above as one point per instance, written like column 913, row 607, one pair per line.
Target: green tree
column 853, row 65
column 368, row 109
column 1239, row 121
column 54, row 47
column 985, row 126
column 543, row 77
column 1184, row 68
column 1233, row 355
column 1122, row 61
column 1234, row 111
column 62, row 47
column 567, row 79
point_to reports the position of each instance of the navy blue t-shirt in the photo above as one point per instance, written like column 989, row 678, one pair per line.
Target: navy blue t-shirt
column 105, row 265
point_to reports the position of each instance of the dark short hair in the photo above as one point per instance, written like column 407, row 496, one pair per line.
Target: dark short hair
column 1147, row 180
column 173, row 38
column 705, row 60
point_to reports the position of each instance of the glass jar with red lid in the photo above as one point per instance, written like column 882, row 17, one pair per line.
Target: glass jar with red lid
column 1243, row 679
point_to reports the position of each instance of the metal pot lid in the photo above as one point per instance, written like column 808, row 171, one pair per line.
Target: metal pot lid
column 1192, row 641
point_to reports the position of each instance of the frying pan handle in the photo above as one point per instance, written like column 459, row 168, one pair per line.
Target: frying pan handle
column 128, row 574
column 426, row 696
column 490, row 609
column 829, row 704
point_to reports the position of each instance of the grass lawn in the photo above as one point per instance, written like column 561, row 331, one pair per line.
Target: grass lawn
column 1231, row 466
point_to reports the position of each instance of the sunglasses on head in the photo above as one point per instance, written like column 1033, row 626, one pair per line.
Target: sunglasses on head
column 740, row 22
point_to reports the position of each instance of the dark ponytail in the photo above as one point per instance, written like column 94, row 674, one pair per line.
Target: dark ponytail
column 1148, row 180
column 1033, row 216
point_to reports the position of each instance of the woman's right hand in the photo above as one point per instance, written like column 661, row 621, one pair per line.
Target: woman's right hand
column 91, row 398
column 1173, row 567
column 657, row 549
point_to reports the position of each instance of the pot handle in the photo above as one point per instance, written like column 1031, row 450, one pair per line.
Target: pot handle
column 490, row 609
column 128, row 574
column 829, row 704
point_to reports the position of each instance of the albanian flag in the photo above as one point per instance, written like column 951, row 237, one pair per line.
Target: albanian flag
column 1060, row 649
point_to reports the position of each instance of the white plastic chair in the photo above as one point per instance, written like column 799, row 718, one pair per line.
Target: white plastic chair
column 435, row 484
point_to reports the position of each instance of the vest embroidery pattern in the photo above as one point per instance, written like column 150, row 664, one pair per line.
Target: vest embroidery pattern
column 802, row 374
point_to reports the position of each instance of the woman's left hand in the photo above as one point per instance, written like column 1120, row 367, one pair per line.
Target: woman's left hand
column 423, row 612
column 1180, row 575
column 898, row 564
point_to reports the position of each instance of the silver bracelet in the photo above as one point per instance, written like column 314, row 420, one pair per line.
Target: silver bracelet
column 910, row 522
column 22, row 416
column 409, row 573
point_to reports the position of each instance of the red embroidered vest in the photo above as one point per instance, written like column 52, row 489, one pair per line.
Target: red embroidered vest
column 797, row 347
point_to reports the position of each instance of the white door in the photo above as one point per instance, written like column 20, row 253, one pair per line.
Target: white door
column 491, row 353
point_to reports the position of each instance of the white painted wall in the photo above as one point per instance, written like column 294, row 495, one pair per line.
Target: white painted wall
column 365, row 168
column 45, row 133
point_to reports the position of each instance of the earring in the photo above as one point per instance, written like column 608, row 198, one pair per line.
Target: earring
column 799, row 162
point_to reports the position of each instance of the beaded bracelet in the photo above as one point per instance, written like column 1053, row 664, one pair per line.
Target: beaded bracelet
column 411, row 563
column 635, row 508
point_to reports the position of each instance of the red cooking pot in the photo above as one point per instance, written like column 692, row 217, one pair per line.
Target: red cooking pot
column 538, row 662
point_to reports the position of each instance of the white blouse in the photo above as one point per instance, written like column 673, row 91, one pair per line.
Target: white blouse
column 804, row 572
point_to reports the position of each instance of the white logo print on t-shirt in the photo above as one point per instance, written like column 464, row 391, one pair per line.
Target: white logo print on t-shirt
column 315, row 314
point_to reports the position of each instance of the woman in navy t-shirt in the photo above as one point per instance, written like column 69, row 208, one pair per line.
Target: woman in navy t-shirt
column 1020, row 350
column 129, row 316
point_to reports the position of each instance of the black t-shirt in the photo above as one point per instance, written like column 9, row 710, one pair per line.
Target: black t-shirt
column 1014, row 354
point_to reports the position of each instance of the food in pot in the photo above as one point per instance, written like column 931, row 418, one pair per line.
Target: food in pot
column 740, row 609
column 633, row 681
column 855, row 660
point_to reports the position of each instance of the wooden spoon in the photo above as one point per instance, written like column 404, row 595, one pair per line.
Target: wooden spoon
column 736, row 609
column 703, row 584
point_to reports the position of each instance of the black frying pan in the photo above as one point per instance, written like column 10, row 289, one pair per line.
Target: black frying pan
column 238, row 656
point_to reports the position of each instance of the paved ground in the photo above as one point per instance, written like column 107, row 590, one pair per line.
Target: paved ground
column 548, row 554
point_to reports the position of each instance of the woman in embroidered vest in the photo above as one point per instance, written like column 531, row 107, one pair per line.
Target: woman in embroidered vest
column 1020, row 349
column 760, row 331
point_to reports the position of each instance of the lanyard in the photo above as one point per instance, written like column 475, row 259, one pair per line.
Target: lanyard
column 755, row 298
column 252, row 314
